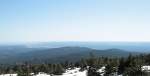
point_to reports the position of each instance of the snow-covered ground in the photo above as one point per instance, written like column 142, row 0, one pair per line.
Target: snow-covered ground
column 8, row 75
column 42, row 74
column 74, row 72
column 69, row 72
column 102, row 70
column 146, row 68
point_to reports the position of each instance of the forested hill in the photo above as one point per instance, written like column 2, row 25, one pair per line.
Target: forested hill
column 61, row 54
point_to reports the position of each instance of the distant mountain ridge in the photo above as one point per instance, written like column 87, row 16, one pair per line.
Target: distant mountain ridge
column 143, row 47
column 61, row 54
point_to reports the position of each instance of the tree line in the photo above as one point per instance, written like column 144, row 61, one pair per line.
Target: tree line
column 127, row 66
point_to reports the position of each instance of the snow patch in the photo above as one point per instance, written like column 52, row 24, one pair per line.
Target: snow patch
column 8, row 75
column 101, row 70
column 42, row 74
column 145, row 68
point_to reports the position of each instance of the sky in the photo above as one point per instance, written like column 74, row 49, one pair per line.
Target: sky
column 74, row 20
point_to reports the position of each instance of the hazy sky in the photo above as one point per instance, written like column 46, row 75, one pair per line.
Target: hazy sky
column 74, row 20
